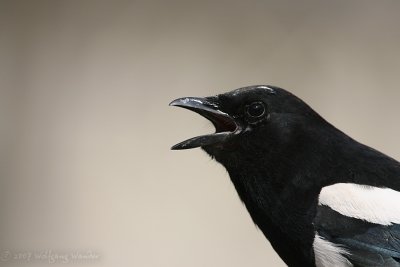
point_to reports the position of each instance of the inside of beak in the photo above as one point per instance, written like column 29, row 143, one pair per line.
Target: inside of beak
column 224, row 124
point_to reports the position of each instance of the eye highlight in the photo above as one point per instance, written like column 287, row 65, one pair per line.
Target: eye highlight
column 255, row 110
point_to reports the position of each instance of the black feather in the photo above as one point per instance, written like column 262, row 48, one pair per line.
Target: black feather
column 279, row 162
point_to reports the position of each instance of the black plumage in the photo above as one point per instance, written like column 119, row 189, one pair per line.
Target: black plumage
column 280, row 154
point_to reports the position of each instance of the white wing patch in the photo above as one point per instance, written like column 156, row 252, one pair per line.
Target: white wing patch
column 328, row 254
column 372, row 204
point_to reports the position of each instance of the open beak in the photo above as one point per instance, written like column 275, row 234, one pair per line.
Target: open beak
column 225, row 125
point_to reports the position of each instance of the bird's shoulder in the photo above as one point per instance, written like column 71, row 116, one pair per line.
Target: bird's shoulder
column 357, row 225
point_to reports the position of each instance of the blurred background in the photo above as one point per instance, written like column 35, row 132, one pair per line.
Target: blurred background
column 86, row 129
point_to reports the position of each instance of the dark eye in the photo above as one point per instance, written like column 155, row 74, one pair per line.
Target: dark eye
column 255, row 109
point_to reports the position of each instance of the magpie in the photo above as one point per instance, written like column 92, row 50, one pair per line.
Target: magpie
column 320, row 197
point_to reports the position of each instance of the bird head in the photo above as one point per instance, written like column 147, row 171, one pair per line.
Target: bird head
column 250, row 122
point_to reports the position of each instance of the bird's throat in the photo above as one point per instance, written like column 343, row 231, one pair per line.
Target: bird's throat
column 285, row 228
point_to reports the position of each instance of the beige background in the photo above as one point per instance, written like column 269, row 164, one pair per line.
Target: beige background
column 85, row 125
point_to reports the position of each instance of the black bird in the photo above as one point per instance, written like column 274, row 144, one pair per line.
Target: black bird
column 320, row 197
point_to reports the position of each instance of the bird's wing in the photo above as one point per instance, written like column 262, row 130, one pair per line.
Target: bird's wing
column 357, row 226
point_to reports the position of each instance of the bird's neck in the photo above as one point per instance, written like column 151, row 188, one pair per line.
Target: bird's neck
column 280, row 189
column 283, row 213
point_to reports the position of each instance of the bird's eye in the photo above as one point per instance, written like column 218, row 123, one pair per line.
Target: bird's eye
column 255, row 109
